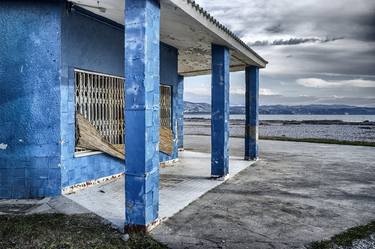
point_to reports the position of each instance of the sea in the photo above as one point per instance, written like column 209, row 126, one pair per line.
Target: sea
column 345, row 118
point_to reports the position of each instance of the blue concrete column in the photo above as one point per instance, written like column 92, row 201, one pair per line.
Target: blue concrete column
column 220, row 111
column 180, row 111
column 142, row 112
column 252, row 110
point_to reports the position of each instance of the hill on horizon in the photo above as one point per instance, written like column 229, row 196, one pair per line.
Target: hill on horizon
column 205, row 108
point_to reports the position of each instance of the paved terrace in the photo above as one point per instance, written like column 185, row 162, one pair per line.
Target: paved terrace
column 297, row 193
column 181, row 183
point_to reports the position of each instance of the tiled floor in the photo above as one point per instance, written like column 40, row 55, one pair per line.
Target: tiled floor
column 181, row 184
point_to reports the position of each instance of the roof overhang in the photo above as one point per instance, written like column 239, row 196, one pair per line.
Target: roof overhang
column 187, row 27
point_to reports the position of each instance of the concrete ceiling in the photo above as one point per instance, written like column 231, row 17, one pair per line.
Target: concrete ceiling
column 188, row 28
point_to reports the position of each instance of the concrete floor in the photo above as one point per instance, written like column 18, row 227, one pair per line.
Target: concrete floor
column 297, row 193
column 181, row 184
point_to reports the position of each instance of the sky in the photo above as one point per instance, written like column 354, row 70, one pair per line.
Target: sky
column 319, row 51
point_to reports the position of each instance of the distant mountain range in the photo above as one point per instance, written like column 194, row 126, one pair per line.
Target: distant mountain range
column 204, row 108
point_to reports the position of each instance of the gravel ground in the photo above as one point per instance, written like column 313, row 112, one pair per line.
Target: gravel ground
column 343, row 132
column 368, row 243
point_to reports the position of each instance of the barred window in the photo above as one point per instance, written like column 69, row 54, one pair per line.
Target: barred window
column 100, row 99
column 165, row 106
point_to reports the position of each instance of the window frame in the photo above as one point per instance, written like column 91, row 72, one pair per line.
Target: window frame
column 84, row 153
column 171, row 105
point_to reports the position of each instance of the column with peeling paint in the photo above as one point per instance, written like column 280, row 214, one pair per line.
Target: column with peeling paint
column 220, row 111
column 252, row 106
column 142, row 118
column 180, row 111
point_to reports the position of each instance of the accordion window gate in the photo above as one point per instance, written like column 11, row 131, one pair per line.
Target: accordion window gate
column 100, row 106
column 100, row 100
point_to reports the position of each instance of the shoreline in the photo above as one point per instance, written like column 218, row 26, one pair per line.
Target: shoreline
column 288, row 122
column 305, row 140
column 312, row 131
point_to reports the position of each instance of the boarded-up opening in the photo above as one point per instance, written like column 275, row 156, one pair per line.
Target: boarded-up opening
column 100, row 115
column 100, row 100
column 166, row 134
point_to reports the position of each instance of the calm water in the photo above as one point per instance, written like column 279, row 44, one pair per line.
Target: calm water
column 345, row 118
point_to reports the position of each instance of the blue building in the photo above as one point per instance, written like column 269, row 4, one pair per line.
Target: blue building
column 121, row 64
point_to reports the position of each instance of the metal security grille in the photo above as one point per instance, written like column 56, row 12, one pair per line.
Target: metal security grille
column 165, row 106
column 100, row 99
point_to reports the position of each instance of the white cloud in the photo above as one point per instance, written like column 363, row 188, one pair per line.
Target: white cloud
column 321, row 83
column 266, row 92
column 237, row 90
column 262, row 91
column 204, row 91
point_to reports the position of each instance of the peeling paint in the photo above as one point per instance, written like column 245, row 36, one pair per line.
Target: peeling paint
column 3, row 146
column 252, row 111
column 134, row 89
column 80, row 186
column 220, row 110
column 142, row 73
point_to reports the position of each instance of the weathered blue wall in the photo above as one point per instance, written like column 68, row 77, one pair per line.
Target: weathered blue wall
column 30, row 57
column 96, row 45
column 40, row 45
column 169, row 76
column 89, row 44
column 220, row 111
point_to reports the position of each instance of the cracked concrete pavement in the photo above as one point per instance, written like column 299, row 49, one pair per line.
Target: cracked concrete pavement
column 296, row 193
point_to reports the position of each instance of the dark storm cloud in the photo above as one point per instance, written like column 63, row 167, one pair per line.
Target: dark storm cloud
column 292, row 41
column 277, row 28
column 367, row 22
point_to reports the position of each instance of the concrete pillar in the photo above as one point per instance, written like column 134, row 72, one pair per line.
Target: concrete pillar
column 180, row 111
column 252, row 110
column 142, row 114
column 220, row 111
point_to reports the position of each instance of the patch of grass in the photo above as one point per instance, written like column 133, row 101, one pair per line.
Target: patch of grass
column 66, row 232
column 320, row 140
column 346, row 238
column 321, row 245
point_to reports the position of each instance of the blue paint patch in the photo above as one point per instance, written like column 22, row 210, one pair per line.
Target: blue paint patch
column 252, row 113
column 220, row 111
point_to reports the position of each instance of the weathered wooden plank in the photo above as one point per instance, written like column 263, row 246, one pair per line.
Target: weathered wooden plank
column 89, row 138
column 166, row 140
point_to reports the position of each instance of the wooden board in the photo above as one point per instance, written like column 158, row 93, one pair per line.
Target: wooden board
column 166, row 140
column 90, row 138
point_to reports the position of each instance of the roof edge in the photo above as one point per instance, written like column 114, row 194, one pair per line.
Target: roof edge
column 222, row 27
